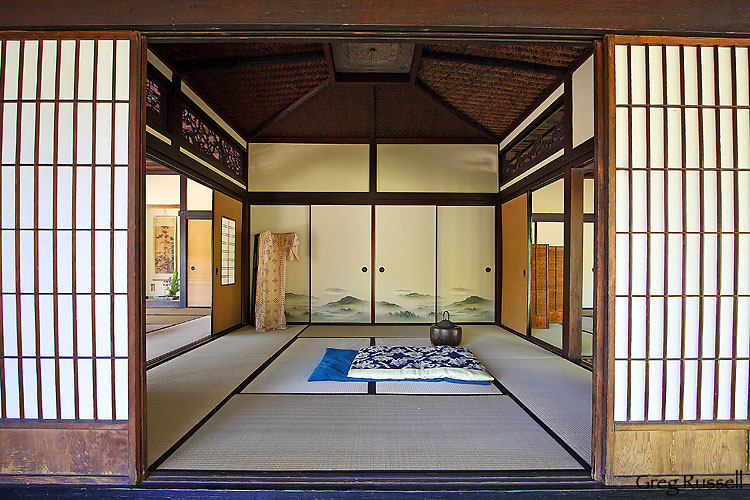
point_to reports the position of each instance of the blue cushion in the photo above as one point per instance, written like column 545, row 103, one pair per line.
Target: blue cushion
column 336, row 363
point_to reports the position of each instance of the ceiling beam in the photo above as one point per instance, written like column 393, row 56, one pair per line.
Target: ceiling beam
column 476, row 126
column 450, row 57
column 248, row 62
column 291, row 107
column 415, row 60
column 328, row 51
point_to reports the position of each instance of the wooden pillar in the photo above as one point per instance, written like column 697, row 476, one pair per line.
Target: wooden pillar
column 183, row 242
column 573, row 275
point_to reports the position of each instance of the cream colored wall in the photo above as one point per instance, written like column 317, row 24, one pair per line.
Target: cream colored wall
column 549, row 199
column 199, row 197
column 583, row 102
column 438, row 168
column 309, row 167
column 162, row 190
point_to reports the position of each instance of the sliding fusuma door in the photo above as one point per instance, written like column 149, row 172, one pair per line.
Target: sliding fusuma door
column 71, row 259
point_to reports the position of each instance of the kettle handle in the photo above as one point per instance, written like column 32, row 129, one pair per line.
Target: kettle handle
column 449, row 315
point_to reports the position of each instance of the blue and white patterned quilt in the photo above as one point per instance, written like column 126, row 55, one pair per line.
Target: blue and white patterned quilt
column 408, row 362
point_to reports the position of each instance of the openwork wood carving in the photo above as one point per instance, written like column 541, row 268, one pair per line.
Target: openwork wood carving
column 547, row 138
column 198, row 134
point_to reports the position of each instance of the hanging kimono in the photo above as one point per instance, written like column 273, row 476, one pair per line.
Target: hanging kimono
column 273, row 252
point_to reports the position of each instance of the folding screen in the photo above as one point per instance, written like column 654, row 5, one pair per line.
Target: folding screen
column 70, row 263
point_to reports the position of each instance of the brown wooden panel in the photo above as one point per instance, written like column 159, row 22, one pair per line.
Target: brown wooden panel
column 93, row 451
column 676, row 452
column 199, row 263
column 227, row 299
column 539, row 302
column 515, row 249
column 555, row 284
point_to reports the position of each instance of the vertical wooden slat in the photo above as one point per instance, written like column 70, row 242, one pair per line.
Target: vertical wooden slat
column 55, row 195
column 684, row 236
column 718, row 231
column 646, row 395
column 736, row 228
column 702, row 229
column 37, row 125
column 112, row 264
column 3, row 414
column 630, row 232
column 665, row 328
column 92, row 242
column 74, row 232
column 22, row 52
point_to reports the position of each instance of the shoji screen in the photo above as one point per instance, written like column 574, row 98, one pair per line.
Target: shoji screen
column 682, row 243
column 64, row 187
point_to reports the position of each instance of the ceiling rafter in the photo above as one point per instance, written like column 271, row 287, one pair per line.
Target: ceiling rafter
column 434, row 95
column 415, row 61
column 249, row 62
column 291, row 107
column 547, row 69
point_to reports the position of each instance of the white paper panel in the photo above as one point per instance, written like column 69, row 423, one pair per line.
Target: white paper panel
column 692, row 200
column 10, row 119
column 121, row 325
column 103, row 181
column 67, row 389
column 709, row 326
column 104, row 389
column 121, row 133
column 690, row 73
column 46, row 325
column 49, row 69
column 622, row 201
column 674, row 384
column 692, row 334
column 9, row 188
column 46, row 197
column 726, row 327
column 674, row 264
column 30, row 408
column 725, row 76
column 622, row 127
column 743, row 265
column 727, row 138
column 85, row 389
column 86, row 70
column 743, row 139
column 622, row 276
column 727, row 264
column 121, row 389
column 46, row 133
column 10, row 325
column 28, row 133
column 707, row 390
column 45, row 268
column 656, row 138
column 674, row 68
column 674, row 200
column 621, row 74
column 639, row 264
column 724, row 403
column 690, row 390
column 121, row 198
column 743, row 327
column 708, row 89
column 621, row 327
column 122, row 69
column 65, row 133
column 727, row 201
column 692, row 138
column 84, row 334
column 656, row 185
column 103, row 133
column 639, row 208
column 104, row 68
column 9, row 261
column 83, row 263
column 638, row 74
column 709, row 138
column 655, row 369
column 741, row 390
column 84, row 133
column 103, row 269
column 64, row 261
column 637, row 390
column 743, row 77
column 655, row 74
column 65, row 325
column 26, row 194
column 28, row 326
column 674, row 138
column 83, row 197
column 638, row 132
column 49, row 389
column 638, row 328
column 12, row 59
column 30, row 64
column 674, row 327
column 656, row 327
column 621, row 380
column 583, row 102
column 120, row 268
column 710, row 201
column 27, row 269
column 12, row 402
column 692, row 264
column 102, row 304
column 67, row 68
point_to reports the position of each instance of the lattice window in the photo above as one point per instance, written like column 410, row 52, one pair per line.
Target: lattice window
column 228, row 234
column 197, row 133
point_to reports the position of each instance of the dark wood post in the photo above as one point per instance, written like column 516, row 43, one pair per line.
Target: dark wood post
column 573, row 274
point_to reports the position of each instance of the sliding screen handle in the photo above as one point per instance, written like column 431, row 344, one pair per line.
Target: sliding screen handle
column 382, row 269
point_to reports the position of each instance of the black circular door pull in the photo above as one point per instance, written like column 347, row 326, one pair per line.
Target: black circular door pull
column 382, row 269
column 488, row 269
column 364, row 269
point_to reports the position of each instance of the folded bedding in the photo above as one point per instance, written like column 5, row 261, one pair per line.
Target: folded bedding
column 381, row 363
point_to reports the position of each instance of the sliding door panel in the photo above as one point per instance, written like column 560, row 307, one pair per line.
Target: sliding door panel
column 466, row 262
column 515, row 258
column 405, row 264
column 340, row 263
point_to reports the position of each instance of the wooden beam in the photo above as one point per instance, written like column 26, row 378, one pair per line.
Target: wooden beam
column 415, row 61
column 573, row 267
column 328, row 52
column 248, row 62
column 494, row 63
column 291, row 107
column 479, row 128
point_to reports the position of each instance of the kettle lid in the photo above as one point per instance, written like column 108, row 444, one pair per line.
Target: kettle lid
column 446, row 323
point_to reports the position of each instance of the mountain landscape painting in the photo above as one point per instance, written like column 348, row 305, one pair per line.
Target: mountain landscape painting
column 464, row 305
column 338, row 306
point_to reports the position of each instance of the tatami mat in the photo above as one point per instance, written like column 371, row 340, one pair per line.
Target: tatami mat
column 183, row 390
column 367, row 331
column 168, row 339
column 289, row 372
column 555, row 390
column 298, row 432
column 495, row 342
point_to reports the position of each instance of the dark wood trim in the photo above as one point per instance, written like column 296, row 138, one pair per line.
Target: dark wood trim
column 31, row 424
column 183, row 242
column 379, row 140
column 372, row 78
column 367, row 198
column 196, row 214
column 573, row 264
column 284, row 112
column 544, row 217
column 416, row 60
column 498, row 262
column 373, row 117
column 476, row 126
column 494, row 62
column 246, row 268
column 137, row 457
column 328, row 53
column 248, row 62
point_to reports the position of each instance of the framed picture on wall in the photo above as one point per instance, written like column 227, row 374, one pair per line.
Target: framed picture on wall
column 164, row 244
